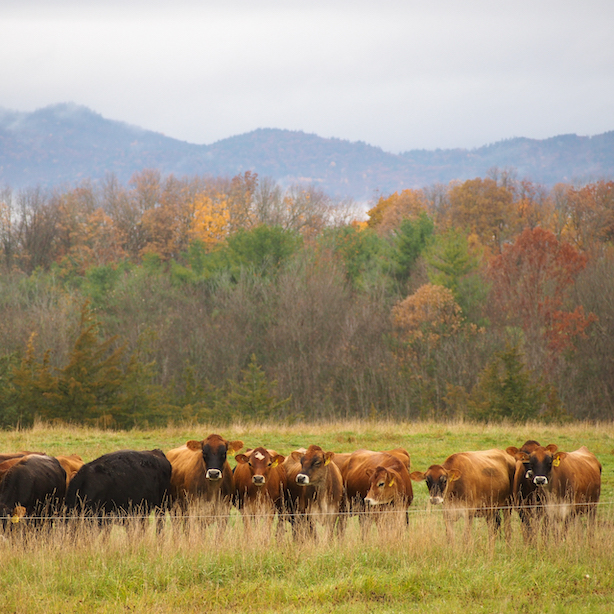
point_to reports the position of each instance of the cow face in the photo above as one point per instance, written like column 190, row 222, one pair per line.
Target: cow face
column 260, row 464
column 215, row 450
column 383, row 487
column 313, row 465
column 538, row 463
column 437, row 481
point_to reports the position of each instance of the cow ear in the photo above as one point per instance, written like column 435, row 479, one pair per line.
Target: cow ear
column 296, row 456
column 328, row 457
column 512, row 451
column 454, row 474
column 234, row 446
column 552, row 448
column 557, row 458
column 278, row 460
column 241, row 459
column 417, row 476
column 194, row 445
column 369, row 472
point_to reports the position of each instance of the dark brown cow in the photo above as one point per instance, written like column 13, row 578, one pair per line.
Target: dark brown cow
column 472, row 484
column 315, row 488
column 33, row 485
column 567, row 483
column 201, row 470
column 260, row 483
column 526, row 497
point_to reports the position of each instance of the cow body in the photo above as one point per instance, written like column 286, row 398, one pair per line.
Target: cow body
column 33, row 485
column 201, row 470
column 260, row 480
column 378, row 478
column 315, row 488
column 71, row 464
column 472, row 484
column 121, row 483
column 564, row 484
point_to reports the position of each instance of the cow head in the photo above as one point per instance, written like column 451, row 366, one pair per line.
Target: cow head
column 314, row 464
column 260, row 462
column 214, row 450
column 437, row 481
column 383, row 487
column 538, row 462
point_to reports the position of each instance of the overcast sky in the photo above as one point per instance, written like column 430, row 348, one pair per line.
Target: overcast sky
column 399, row 74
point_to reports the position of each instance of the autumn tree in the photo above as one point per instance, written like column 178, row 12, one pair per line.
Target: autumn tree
column 482, row 207
column 390, row 211
column 532, row 279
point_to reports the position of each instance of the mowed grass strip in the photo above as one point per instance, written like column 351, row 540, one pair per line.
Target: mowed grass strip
column 391, row 568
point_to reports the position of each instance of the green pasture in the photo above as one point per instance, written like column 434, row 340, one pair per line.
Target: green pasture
column 391, row 568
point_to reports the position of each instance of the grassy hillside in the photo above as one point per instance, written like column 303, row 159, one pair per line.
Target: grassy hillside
column 393, row 568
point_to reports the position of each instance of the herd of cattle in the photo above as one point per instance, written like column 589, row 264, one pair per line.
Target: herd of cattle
column 539, row 482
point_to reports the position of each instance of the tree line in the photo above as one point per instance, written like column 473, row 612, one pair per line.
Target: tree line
column 194, row 298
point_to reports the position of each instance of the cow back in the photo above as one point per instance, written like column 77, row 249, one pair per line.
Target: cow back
column 36, row 482
column 576, row 477
column 121, row 481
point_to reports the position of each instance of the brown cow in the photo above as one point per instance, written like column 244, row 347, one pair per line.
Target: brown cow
column 315, row 488
column 526, row 497
column 472, row 484
column 201, row 471
column 260, row 483
column 375, row 481
column 567, row 483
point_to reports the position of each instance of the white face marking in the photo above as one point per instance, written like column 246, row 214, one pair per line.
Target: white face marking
column 259, row 455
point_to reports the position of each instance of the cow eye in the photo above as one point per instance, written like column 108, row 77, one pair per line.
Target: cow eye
column 380, row 485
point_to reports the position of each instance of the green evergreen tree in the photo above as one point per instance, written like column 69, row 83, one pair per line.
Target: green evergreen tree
column 254, row 397
column 506, row 390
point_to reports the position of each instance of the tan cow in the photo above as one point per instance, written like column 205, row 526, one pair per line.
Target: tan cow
column 315, row 489
column 71, row 464
column 472, row 484
column 201, row 472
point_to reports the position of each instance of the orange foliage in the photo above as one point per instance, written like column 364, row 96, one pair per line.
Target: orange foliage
column 531, row 283
column 389, row 212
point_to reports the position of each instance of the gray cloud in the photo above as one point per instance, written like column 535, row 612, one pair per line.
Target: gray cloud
column 399, row 75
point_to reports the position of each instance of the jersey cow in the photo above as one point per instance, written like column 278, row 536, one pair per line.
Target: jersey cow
column 315, row 488
column 201, row 471
column 33, row 485
column 121, row 483
column 375, row 481
column 472, row 484
column 561, row 483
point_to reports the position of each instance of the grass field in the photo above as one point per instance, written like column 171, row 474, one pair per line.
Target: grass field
column 394, row 568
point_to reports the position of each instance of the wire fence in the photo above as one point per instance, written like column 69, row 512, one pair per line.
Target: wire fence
column 320, row 515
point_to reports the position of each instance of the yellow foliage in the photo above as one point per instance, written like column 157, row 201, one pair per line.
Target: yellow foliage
column 389, row 212
column 210, row 219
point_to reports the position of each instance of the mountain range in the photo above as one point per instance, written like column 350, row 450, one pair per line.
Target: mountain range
column 66, row 143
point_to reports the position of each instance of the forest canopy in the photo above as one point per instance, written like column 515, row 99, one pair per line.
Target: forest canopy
column 191, row 298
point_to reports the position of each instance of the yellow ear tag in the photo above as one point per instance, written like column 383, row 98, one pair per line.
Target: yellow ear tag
column 15, row 519
column 556, row 462
column 326, row 461
column 391, row 483
column 274, row 464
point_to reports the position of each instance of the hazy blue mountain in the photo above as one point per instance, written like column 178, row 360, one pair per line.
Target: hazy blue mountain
column 66, row 143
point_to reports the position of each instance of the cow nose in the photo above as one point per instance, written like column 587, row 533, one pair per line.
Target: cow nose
column 436, row 500
column 258, row 479
column 540, row 480
column 213, row 474
column 303, row 479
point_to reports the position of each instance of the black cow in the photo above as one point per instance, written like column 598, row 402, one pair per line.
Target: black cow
column 34, row 485
column 121, row 483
